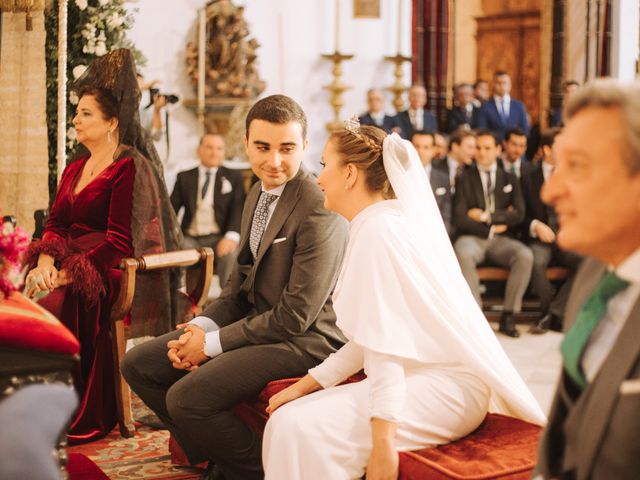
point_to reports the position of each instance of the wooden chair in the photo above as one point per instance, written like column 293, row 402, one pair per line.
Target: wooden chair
column 502, row 274
column 119, row 330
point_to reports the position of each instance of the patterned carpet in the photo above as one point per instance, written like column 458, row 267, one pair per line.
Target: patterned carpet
column 145, row 456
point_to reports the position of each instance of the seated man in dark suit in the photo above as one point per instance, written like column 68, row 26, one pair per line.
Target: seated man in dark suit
column 376, row 115
column 424, row 142
column 555, row 115
column 417, row 117
column 540, row 228
column 464, row 113
column 273, row 320
column 212, row 197
column 487, row 213
column 512, row 159
column 503, row 112
column 462, row 151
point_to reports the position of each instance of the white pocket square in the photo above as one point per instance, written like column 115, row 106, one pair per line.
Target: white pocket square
column 226, row 186
column 630, row 387
column 278, row 240
column 441, row 191
column 507, row 188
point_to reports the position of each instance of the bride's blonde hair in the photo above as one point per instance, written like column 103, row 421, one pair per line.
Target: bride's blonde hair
column 362, row 146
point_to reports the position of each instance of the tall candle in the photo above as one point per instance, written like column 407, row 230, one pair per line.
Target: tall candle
column 337, row 25
column 399, row 26
column 202, row 26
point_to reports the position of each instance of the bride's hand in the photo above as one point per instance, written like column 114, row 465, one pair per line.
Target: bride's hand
column 287, row 395
column 383, row 463
column 305, row 385
column 63, row 278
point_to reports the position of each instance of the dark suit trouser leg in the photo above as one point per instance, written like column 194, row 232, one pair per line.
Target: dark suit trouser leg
column 541, row 257
column 149, row 373
column 470, row 251
column 517, row 257
column 199, row 404
column 569, row 260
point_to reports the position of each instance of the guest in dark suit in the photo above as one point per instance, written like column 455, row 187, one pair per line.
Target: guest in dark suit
column 441, row 147
column 594, row 423
column 464, row 113
column 512, row 159
column 555, row 115
column 540, row 228
column 274, row 319
column 212, row 197
column 376, row 115
column 488, row 211
column 424, row 143
column 462, row 151
column 480, row 92
column 502, row 112
column 417, row 117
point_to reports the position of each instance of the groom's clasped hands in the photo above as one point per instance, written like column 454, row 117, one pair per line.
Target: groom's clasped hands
column 187, row 352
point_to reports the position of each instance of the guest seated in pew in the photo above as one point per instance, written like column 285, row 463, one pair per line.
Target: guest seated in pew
column 595, row 189
column 488, row 210
column 375, row 114
column 462, row 151
column 111, row 203
column 540, row 228
column 417, row 117
column 434, row 366
column 424, row 145
column 512, row 158
column 274, row 318
column 212, row 197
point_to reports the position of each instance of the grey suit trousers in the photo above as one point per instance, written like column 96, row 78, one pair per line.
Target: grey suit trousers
column 196, row 406
column 506, row 252
column 223, row 265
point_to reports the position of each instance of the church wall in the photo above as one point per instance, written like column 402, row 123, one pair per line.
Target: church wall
column 293, row 35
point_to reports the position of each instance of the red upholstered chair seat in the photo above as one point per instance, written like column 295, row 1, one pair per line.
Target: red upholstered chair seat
column 26, row 325
column 500, row 448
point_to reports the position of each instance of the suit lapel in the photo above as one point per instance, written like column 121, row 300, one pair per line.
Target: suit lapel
column 217, row 193
column 478, row 188
column 603, row 392
column 192, row 187
column 284, row 207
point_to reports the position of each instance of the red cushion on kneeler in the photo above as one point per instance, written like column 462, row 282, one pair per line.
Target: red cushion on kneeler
column 26, row 325
column 80, row 467
column 500, row 448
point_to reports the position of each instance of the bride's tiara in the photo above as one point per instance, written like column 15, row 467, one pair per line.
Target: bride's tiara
column 353, row 125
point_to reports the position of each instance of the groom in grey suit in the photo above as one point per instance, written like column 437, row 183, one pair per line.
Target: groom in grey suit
column 274, row 319
column 594, row 423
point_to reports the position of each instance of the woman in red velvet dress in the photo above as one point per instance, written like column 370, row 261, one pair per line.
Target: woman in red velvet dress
column 110, row 204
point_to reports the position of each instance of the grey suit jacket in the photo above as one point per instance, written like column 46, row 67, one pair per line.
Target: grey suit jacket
column 285, row 295
column 597, row 435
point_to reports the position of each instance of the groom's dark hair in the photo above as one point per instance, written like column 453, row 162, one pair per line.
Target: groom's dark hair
column 278, row 109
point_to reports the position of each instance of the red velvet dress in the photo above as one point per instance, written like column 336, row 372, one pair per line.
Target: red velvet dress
column 89, row 233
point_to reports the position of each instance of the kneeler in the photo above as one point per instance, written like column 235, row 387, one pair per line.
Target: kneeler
column 500, row 448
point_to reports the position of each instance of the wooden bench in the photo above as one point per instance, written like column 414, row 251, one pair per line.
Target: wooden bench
column 501, row 274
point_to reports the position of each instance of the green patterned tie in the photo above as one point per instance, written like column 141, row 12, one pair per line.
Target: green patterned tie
column 588, row 317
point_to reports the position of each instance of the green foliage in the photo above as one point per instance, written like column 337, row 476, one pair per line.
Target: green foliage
column 94, row 27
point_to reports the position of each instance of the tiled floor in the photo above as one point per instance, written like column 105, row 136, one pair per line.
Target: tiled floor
column 537, row 359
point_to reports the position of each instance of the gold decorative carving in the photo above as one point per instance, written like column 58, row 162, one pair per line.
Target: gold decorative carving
column 336, row 88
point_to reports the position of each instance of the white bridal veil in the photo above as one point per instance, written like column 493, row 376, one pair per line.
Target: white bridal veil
column 407, row 271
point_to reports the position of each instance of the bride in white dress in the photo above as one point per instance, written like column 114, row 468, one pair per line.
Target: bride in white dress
column 434, row 367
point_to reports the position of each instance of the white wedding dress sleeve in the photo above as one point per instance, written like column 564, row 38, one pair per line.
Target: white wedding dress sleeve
column 339, row 365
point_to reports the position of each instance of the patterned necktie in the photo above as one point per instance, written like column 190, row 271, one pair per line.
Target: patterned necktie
column 504, row 115
column 205, row 185
column 590, row 313
column 259, row 224
column 489, row 200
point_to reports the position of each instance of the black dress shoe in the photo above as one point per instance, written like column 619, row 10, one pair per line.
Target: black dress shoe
column 542, row 325
column 212, row 473
column 508, row 326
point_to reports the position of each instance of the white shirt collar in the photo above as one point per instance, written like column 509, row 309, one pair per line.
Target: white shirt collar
column 629, row 269
column 547, row 170
column 452, row 163
column 274, row 191
column 492, row 169
column 506, row 98
column 202, row 170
